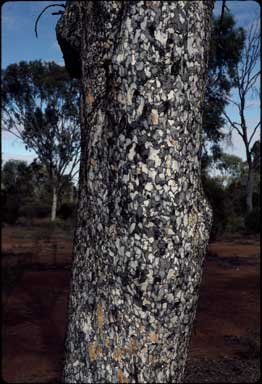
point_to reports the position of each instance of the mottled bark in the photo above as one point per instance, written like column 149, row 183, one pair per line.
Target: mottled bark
column 143, row 221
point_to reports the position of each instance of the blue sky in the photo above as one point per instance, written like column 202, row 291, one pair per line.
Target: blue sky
column 19, row 43
column 245, row 13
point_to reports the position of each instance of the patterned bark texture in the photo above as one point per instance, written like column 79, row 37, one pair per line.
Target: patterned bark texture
column 143, row 221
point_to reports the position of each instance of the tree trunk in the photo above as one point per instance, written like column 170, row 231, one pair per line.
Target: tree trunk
column 54, row 204
column 72, row 194
column 249, row 189
column 143, row 221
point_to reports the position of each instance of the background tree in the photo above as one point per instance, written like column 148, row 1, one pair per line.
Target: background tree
column 224, row 182
column 16, row 177
column 143, row 221
column 226, row 45
column 26, row 193
column 16, row 187
column 246, row 76
column 40, row 107
column 230, row 166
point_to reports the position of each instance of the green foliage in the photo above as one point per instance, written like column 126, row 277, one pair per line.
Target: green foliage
column 235, row 224
column 216, row 196
column 252, row 221
column 228, row 207
column 10, row 210
column 235, row 192
column 226, row 45
column 18, row 189
column 256, row 156
column 40, row 106
column 16, row 178
column 24, row 221
column 64, row 225
column 26, row 193
column 15, row 188
column 230, row 165
column 227, row 195
column 34, row 209
column 66, row 211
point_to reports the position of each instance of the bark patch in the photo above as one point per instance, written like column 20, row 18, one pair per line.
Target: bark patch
column 94, row 351
column 132, row 347
column 121, row 378
column 100, row 316
column 118, row 354
column 154, row 117
column 173, row 142
column 153, row 337
column 107, row 341
column 89, row 98
column 152, row 4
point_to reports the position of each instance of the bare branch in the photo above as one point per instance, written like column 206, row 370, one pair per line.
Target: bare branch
column 226, row 98
column 254, row 132
column 49, row 6
column 233, row 124
column 246, row 77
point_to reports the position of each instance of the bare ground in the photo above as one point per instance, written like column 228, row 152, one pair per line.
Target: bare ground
column 225, row 345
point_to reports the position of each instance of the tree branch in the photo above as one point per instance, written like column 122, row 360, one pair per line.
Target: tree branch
column 253, row 134
column 233, row 124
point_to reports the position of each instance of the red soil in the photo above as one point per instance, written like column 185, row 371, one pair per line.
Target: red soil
column 35, row 311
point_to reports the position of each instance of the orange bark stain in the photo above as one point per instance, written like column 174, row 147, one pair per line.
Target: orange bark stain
column 152, row 359
column 121, row 378
column 100, row 316
column 173, row 141
column 132, row 346
column 153, row 337
column 118, row 354
column 89, row 98
column 154, row 118
column 94, row 351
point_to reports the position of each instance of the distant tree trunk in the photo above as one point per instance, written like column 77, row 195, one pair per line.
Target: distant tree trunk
column 143, row 221
column 72, row 195
column 249, row 189
column 54, row 204
column 250, row 174
column 247, row 73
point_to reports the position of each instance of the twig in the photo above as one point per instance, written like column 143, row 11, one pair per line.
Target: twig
column 49, row 6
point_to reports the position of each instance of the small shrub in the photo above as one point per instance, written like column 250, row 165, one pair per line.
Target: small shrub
column 33, row 209
column 66, row 211
column 64, row 225
column 10, row 276
column 217, row 199
column 24, row 221
column 235, row 224
column 252, row 221
column 44, row 231
column 10, row 211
